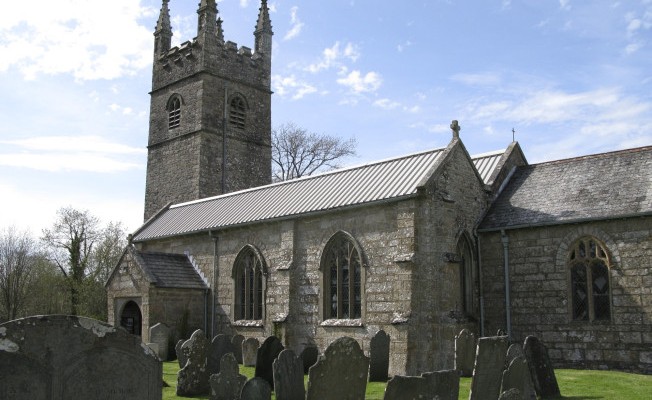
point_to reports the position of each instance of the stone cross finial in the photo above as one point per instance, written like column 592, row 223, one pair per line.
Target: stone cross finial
column 456, row 129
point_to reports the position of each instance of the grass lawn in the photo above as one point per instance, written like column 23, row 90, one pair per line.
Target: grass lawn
column 574, row 385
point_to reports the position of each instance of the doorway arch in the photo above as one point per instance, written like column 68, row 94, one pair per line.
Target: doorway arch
column 131, row 318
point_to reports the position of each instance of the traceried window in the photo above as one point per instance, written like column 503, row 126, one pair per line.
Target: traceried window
column 248, row 272
column 237, row 112
column 174, row 112
column 589, row 281
column 341, row 265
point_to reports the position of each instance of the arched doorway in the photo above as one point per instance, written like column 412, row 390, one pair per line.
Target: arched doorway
column 131, row 318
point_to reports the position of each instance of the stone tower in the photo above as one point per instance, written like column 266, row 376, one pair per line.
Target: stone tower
column 210, row 113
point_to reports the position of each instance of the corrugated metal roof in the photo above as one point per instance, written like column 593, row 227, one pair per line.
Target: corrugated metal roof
column 383, row 180
column 487, row 163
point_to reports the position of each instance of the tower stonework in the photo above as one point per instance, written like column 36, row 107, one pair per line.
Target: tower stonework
column 210, row 112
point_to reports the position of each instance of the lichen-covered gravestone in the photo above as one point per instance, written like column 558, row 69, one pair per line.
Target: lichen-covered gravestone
column 488, row 370
column 341, row 373
column 237, row 347
column 160, row 334
column 181, row 356
column 249, row 351
column 440, row 385
column 465, row 346
column 220, row 345
column 192, row 379
column 517, row 376
column 541, row 371
column 66, row 357
column 256, row 389
column 309, row 357
column 228, row 383
column 288, row 377
column 379, row 357
column 267, row 353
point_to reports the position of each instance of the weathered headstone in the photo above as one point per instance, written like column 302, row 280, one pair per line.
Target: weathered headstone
column 440, row 385
column 160, row 334
column 309, row 356
column 256, row 389
column 288, row 377
column 341, row 373
column 488, row 370
column 181, row 357
column 220, row 345
column 465, row 346
column 66, row 357
column 228, row 384
column 443, row 385
column 379, row 357
column 517, row 376
column 511, row 394
column 541, row 371
column 266, row 355
column 514, row 351
column 237, row 347
column 192, row 379
column 249, row 350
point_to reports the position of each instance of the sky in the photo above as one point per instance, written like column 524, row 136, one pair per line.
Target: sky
column 570, row 77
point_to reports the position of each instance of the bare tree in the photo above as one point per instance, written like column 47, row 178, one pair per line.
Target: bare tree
column 18, row 253
column 297, row 152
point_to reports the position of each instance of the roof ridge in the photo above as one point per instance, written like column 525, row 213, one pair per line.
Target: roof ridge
column 594, row 155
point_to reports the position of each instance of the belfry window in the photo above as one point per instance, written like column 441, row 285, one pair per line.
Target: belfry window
column 237, row 112
column 248, row 272
column 589, row 281
column 341, row 266
column 174, row 112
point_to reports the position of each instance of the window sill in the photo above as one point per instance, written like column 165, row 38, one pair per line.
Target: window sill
column 343, row 323
column 248, row 323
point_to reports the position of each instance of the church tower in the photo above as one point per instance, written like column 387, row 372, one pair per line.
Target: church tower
column 210, row 112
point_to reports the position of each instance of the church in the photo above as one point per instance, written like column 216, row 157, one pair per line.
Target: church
column 420, row 246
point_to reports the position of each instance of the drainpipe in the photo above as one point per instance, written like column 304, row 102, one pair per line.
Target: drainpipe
column 215, row 265
column 508, row 311
column 481, row 287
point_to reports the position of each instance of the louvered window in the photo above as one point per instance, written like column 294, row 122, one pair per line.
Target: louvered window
column 342, row 269
column 174, row 113
column 237, row 112
column 589, row 281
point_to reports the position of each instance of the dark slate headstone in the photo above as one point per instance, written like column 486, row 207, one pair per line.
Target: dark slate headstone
column 443, row 385
column 249, row 351
column 160, row 334
column 181, row 357
column 541, row 371
column 66, row 357
column 192, row 380
column 309, row 357
column 341, row 373
column 267, row 353
column 488, row 370
column 440, row 385
column 288, row 377
column 256, row 389
column 517, row 376
column 228, row 384
column 465, row 346
column 220, row 345
column 379, row 357
column 237, row 347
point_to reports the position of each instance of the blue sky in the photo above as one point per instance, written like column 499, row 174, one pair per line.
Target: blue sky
column 571, row 77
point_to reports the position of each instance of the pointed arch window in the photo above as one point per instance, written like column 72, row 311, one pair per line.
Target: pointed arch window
column 174, row 112
column 465, row 256
column 589, row 281
column 248, row 273
column 341, row 265
column 237, row 112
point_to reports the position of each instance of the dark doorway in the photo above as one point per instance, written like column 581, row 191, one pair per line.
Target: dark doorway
column 131, row 318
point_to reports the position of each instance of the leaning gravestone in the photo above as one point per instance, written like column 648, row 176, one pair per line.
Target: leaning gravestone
column 266, row 355
column 160, row 334
column 237, row 347
column 249, row 350
column 220, row 345
column 192, row 379
column 541, row 371
column 309, row 357
column 341, row 373
column 256, row 389
column 517, row 376
column 181, row 356
column 288, row 377
column 488, row 370
column 465, row 346
column 228, row 384
column 440, row 385
column 379, row 357
column 66, row 357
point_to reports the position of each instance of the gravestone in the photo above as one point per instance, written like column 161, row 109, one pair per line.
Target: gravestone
column 249, row 350
column 541, row 371
column 220, row 345
column 443, row 385
column 265, row 357
column 192, row 379
column 256, row 389
column 465, row 346
column 341, row 373
column 160, row 334
column 488, row 369
column 228, row 384
column 511, row 394
column 440, row 385
column 67, row 357
column 309, row 357
column 288, row 377
column 379, row 357
column 517, row 376
column 181, row 357
column 237, row 347
column 514, row 351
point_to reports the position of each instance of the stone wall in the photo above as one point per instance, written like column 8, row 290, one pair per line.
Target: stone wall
column 540, row 294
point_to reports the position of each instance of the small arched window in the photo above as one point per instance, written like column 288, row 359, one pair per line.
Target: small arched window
column 174, row 112
column 589, row 281
column 237, row 112
column 248, row 272
column 465, row 256
column 341, row 265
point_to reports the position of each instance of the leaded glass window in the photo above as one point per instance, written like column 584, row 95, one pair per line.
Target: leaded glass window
column 342, row 268
column 248, row 274
column 589, row 281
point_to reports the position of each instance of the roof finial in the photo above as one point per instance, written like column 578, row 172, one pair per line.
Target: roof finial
column 456, row 129
column 513, row 135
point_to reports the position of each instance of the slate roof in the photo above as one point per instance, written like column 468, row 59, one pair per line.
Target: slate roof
column 168, row 270
column 601, row 186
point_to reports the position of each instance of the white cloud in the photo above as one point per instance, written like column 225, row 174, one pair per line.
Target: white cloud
column 332, row 56
column 290, row 86
column 358, row 83
column 565, row 4
column 244, row 3
column 386, row 104
column 94, row 144
column 479, row 79
column 297, row 25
